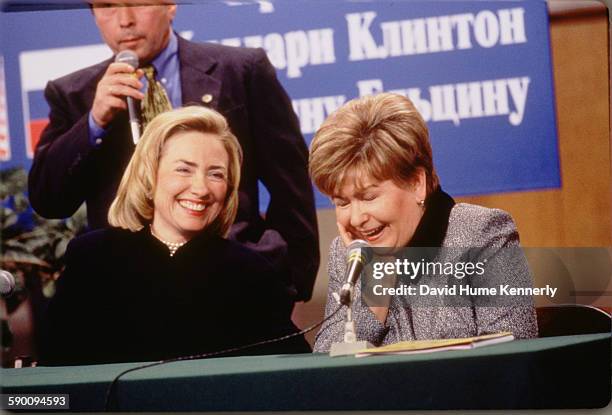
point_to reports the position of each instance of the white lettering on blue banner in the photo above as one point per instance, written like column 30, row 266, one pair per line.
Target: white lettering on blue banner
column 433, row 34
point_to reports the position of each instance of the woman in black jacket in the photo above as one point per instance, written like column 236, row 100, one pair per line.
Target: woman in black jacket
column 164, row 282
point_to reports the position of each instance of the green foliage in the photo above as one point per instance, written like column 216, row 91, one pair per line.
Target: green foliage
column 30, row 243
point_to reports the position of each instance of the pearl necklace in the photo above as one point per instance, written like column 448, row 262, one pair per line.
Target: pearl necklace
column 172, row 246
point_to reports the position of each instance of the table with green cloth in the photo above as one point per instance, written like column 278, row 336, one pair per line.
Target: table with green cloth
column 555, row 372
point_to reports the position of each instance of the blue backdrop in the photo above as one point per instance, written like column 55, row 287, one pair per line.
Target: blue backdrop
column 480, row 73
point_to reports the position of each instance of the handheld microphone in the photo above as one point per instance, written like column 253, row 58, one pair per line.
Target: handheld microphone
column 358, row 255
column 131, row 58
column 7, row 283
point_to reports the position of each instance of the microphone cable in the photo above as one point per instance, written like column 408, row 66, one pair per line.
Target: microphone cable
column 112, row 386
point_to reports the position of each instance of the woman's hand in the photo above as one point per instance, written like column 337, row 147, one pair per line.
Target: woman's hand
column 345, row 234
column 380, row 312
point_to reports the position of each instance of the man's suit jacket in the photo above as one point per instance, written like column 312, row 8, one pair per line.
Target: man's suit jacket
column 67, row 170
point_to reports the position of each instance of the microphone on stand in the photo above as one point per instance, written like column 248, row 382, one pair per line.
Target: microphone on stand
column 359, row 254
column 7, row 283
column 131, row 58
column 7, row 287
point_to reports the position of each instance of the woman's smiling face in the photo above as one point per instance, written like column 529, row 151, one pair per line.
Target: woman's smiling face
column 381, row 213
column 192, row 183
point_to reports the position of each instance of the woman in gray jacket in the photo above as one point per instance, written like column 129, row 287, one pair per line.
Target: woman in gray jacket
column 374, row 159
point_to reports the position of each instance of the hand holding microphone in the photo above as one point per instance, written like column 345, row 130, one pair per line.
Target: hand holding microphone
column 120, row 81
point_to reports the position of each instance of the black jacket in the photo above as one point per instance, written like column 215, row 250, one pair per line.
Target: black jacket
column 123, row 298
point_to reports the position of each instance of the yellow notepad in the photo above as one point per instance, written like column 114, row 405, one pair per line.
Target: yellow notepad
column 438, row 345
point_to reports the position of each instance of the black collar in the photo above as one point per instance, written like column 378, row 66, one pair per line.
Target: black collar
column 434, row 223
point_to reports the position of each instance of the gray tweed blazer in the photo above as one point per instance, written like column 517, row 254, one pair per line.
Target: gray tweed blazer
column 468, row 226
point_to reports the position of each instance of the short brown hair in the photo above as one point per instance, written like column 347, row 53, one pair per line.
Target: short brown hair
column 382, row 136
column 133, row 206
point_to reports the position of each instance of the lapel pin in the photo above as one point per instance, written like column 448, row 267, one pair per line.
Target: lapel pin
column 207, row 98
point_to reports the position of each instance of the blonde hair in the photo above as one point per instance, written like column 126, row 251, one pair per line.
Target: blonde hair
column 382, row 136
column 133, row 206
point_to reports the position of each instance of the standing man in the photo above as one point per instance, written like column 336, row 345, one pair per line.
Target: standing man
column 86, row 146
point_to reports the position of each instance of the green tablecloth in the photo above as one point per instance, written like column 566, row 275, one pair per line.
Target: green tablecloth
column 556, row 372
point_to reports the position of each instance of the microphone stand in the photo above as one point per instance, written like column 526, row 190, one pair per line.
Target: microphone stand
column 350, row 345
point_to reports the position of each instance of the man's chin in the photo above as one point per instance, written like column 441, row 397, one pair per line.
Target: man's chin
column 135, row 46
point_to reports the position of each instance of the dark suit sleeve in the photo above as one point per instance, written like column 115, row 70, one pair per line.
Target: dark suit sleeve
column 57, row 181
column 282, row 159
column 261, row 309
